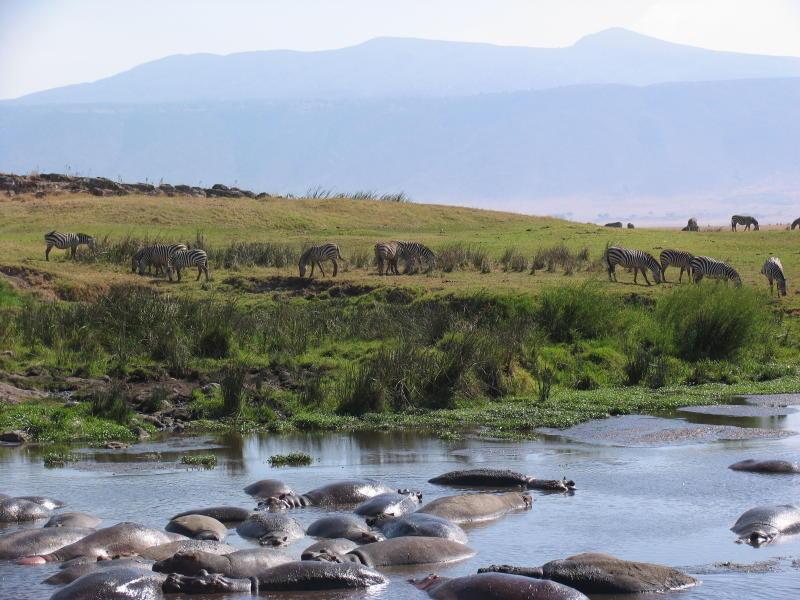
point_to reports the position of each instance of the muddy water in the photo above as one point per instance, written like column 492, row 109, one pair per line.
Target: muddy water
column 670, row 500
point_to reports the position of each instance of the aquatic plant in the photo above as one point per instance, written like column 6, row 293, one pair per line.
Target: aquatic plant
column 204, row 461
column 294, row 459
column 59, row 459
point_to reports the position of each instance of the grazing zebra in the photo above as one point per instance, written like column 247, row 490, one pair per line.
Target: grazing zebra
column 386, row 254
column 415, row 252
column 62, row 241
column 316, row 255
column 691, row 225
column 795, row 223
column 183, row 259
column 637, row 260
column 743, row 220
column 614, row 224
column 676, row 258
column 704, row 266
column 773, row 271
column 156, row 256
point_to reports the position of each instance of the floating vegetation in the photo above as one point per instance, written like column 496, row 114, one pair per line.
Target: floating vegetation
column 59, row 459
column 202, row 461
column 295, row 459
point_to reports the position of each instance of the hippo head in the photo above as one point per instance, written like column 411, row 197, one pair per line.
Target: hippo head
column 325, row 555
column 528, row 500
column 204, row 583
column 412, row 493
column 187, row 563
column 273, row 504
column 368, row 537
column 429, row 582
column 274, row 539
column 758, row 536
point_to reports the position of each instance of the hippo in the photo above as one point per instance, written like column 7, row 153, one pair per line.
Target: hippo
column 495, row 586
column 49, row 503
column 73, row 519
column 122, row 539
column 119, row 583
column 198, row 527
column 269, row 488
column 501, row 478
column 349, row 491
column 81, row 568
column 18, row 509
column 332, row 546
column 39, row 541
column 388, row 505
column 163, row 551
column 236, row 564
column 421, row 524
column 766, row 466
column 271, row 529
column 225, row 514
column 304, row 575
column 342, row 526
column 473, row 508
column 404, row 551
column 761, row 525
column 594, row 573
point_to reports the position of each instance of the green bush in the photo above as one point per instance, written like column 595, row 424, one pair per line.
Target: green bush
column 569, row 313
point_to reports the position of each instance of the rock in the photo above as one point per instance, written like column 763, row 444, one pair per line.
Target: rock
column 7, row 353
column 210, row 388
column 10, row 394
column 140, row 433
column 15, row 436
column 155, row 421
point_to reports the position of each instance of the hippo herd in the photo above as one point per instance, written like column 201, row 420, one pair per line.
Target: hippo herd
column 386, row 528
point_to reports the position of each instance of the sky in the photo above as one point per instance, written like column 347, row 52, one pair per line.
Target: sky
column 50, row 43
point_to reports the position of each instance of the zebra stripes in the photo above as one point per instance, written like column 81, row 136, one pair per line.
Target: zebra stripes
column 795, row 223
column 638, row 260
column 64, row 241
column 316, row 255
column 773, row 271
column 183, row 259
column 744, row 220
column 156, row 256
column 386, row 255
column 675, row 258
column 704, row 266
column 414, row 253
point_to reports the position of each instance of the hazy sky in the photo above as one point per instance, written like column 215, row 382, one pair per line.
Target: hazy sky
column 48, row 43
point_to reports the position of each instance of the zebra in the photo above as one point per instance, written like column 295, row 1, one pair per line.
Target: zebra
column 795, row 223
column 415, row 252
column 183, row 259
column 638, row 260
column 675, row 258
column 773, row 271
column 316, row 255
column 156, row 256
column 62, row 241
column 743, row 220
column 616, row 224
column 691, row 225
column 704, row 266
column 386, row 255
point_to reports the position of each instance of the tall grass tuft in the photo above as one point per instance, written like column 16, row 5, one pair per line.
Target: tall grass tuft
column 458, row 256
column 111, row 403
column 232, row 383
column 559, row 256
column 513, row 260
column 573, row 312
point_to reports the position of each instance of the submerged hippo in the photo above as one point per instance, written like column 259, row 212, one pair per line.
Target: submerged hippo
column 332, row 547
column 499, row 478
column 594, row 573
column 73, row 519
column 79, row 569
column 271, row 529
column 163, row 551
column 422, row 524
column 404, row 551
column 343, row 526
column 269, row 488
column 225, row 514
column 50, row 503
column 350, row 491
column 38, row 541
column 473, row 508
column 198, row 527
column 18, row 509
column 766, row 466
column 123, row 539
column 495, row 586
column 761, row 525
column 119, row 583
column 236, row 564
column 389, row 505
column 293, row 576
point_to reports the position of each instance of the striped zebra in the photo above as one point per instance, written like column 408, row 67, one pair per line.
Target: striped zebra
column 386, row 255
column 414, row 253
column 795, row 223
column 183, row 259
column 704, row 266
column 156, row 256
column 64, row 241
column 316, row 255
column 743, row 220
column 638, row 260
column 773, row 271
column 675, row 258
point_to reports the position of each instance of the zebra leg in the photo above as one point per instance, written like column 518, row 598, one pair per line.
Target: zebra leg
column 335, row 267
column 200, row 272
column 680, row 277
column 319, row 264
column 47, row 253
column 635, row 274
column 179, row 274
column 72, row 251
column 205, row 270
column 380, row 266
column 311, row 275
column 644, row 274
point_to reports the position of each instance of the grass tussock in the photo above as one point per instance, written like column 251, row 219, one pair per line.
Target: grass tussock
column 202, row 461
column 59, row 459
column 294, row 459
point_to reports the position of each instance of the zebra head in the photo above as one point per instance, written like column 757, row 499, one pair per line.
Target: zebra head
column 755, row 225
column 782, row 287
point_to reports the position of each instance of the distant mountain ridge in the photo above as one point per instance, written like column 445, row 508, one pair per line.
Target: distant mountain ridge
column 402, row 67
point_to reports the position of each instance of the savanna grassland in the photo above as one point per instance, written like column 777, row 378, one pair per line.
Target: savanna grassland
column 516, row 328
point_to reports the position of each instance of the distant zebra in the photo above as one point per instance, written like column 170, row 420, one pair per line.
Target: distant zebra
column 704, row 266
column 691, row 225
column 795, row 223
column 614, row 224
column 743, row 220
column 415, row 252
column 676, row 258
column 386, row 255
column 156, row 256
column 183, row 259
column 62, row 241
column 773, row 271
column 316, row 255
column 638, row 260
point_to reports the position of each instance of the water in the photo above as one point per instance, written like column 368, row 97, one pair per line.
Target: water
column 670, row 503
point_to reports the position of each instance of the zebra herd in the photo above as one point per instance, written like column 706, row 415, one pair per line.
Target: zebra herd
column 697, row 267
column 387, row 257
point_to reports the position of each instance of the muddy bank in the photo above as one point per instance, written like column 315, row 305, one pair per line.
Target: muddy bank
column 740, row 410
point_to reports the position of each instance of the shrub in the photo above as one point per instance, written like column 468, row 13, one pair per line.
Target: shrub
column 569, row 313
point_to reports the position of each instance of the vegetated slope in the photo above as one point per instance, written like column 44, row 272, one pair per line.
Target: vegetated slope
column 396, row 67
